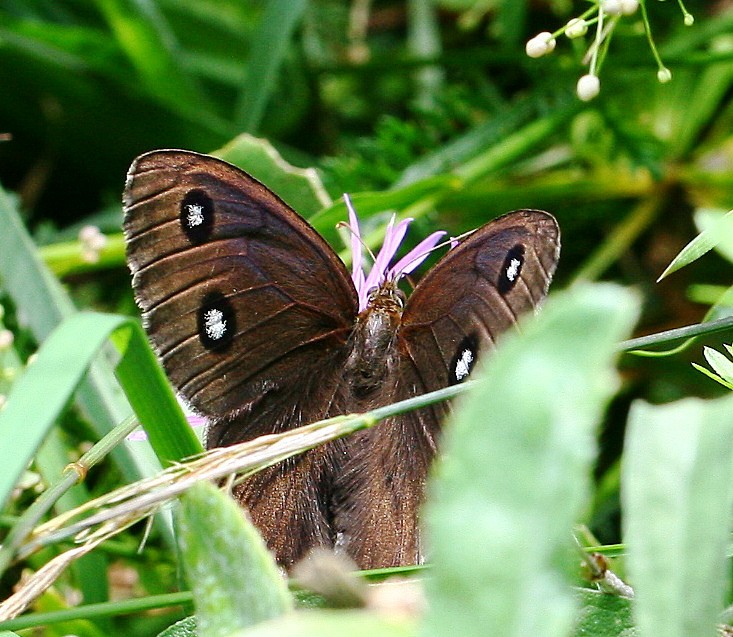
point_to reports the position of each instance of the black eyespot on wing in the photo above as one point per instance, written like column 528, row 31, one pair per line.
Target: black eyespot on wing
column 217, row 322
column 197, row 216
column 510, row 269
column 464, row 359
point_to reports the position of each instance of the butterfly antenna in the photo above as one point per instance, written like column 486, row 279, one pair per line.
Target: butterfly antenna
column 452, row 243
column 347, row 226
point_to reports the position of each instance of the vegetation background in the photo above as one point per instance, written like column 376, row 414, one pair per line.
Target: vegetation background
column 433, row 104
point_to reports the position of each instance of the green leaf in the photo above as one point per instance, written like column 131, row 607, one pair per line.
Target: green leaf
column 676, row 495
column 515, row 476
column 184, row 628
column 333, row 623
column 143, row 33
column 603, row 615
column 42, row 303
column 269, row 49
column 719, row 223
column 60, row 365
column 717, row 228
column 715, row 377
column 720, row 363
column 301, row 188
column 234, row 579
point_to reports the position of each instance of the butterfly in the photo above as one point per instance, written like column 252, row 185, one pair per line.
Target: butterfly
column 261, row 328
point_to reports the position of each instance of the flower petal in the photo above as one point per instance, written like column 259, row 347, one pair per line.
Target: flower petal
column 416, row 256
column 357, row 265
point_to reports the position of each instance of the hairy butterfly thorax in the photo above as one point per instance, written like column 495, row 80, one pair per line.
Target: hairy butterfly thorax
column 261, row 328
column 373, row 342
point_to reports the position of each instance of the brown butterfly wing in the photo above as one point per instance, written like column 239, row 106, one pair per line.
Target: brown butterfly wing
column 454, row 316
column 249, row 310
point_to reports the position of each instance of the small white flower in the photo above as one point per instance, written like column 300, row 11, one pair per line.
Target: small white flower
column 629, row 7
column 576, row 28
column 664, row 75
column 541, row 44
column 689, row 19
column 88, row 233
column 588, row 87
column 6, row 339
column 92, row 241
column 612, row 7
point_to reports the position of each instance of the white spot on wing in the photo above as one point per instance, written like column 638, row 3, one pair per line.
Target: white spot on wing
column 214, row 324
column 513, row 270
column 195, row 216
column 464, row 364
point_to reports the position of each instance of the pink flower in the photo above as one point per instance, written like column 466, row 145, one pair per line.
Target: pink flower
column 381, row 271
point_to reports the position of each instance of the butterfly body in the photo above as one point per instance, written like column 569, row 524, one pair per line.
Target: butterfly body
column 259, row 327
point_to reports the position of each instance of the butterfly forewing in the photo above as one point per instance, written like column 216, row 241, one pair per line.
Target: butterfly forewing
column 476, row 292
column 239, row 294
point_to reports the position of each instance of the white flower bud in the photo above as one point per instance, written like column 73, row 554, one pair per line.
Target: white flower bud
column 689, row 19
column 611, row 7
column 576, row 28
column 629, row 7
column 588, row 87
column 88, row 233
column 541, row 44
column 664, row 75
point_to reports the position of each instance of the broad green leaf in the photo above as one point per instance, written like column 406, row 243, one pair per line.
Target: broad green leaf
column 333, row 623
column 676, row 494
column 234, row 579
column 515, row 474
column 603, row 615
column 184, row 628
column 301, row 188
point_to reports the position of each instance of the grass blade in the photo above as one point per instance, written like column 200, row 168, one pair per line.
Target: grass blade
column 268, row 51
